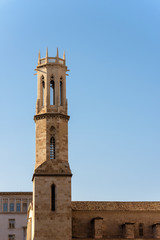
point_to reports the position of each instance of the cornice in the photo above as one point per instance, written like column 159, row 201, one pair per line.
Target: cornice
column 51, row 115
column 51, row 175
column 15, row 193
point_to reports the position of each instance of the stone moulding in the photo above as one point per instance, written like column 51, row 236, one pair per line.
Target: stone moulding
column 15, row 193
column 51, row 115
column 51, row 175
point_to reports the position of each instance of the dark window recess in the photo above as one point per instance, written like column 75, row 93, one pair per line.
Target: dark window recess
column 61, row 91
column 53, row 198
column 24, row 207
column 141, row 230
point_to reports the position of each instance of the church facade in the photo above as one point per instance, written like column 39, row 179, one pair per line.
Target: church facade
column 52, row 215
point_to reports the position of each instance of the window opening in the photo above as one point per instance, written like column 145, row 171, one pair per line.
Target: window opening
column 61, row 85
column 11, row 207
column 24, row 207
column 18, row 207
column 11, row 223
column 52, row 91
column 141, row 230
column 53, row 197
column 43, row 87
column 24, row 233
column 11, row 237
column 52, row 148
column 5, row 207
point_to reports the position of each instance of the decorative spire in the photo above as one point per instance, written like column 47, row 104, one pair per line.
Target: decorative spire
column 64, row 57
column 47, row 53
column 39, row 57
column 57, row 53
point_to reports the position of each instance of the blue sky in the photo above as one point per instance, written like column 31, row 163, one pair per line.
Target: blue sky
column 113, row 90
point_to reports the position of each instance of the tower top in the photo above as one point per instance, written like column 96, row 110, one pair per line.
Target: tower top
column 51, row 60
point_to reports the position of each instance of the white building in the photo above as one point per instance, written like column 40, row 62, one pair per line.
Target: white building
column 13, row 215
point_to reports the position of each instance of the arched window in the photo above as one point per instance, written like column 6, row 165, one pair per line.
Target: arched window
column 53, row 197
column 52, row 91
column 43, row 87
column 141, row 230
column 52, row 148
column 61, row 91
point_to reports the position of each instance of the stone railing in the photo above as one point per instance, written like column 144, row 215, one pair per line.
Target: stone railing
column 52, row 60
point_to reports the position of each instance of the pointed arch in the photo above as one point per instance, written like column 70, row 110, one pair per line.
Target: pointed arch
column 52, row 91
column 52, row 148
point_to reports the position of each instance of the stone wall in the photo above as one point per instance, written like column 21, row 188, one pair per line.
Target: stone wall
column 115, row 219
column 50, row 224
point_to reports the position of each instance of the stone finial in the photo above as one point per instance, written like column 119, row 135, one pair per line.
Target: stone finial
column 57, row 53
column 39, row 57
column 64, row 56
column 47, row 53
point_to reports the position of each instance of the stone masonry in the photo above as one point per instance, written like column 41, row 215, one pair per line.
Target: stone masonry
column 52, row 215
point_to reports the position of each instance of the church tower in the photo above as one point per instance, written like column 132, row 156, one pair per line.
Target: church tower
column 52, row 174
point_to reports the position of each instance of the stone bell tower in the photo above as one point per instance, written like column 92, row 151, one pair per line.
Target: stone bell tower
column 52, row 174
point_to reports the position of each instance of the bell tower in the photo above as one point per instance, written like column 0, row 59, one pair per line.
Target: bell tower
column 52, row 174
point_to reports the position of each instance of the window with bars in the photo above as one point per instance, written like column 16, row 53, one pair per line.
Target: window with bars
column 11, row 223
column 52, row 148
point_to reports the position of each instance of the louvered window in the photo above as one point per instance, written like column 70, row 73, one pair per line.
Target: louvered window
column 52, row 148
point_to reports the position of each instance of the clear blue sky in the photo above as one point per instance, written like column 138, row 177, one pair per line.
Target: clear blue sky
column 113, row 53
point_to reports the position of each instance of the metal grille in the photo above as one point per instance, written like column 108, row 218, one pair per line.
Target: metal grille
column 52, row 148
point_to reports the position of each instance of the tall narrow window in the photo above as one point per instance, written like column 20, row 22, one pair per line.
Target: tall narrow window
column 53, row 197
column 11, row 207
column 61, row 89
column 141, row 230
column 43, row 87
column 52, row 148
column 52, row 91
column 18, row 207
column 5, row 207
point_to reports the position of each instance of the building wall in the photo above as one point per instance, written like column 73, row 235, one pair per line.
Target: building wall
column 114, row 220
column 14, row 205
column 20, row 226
column 48, row 223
